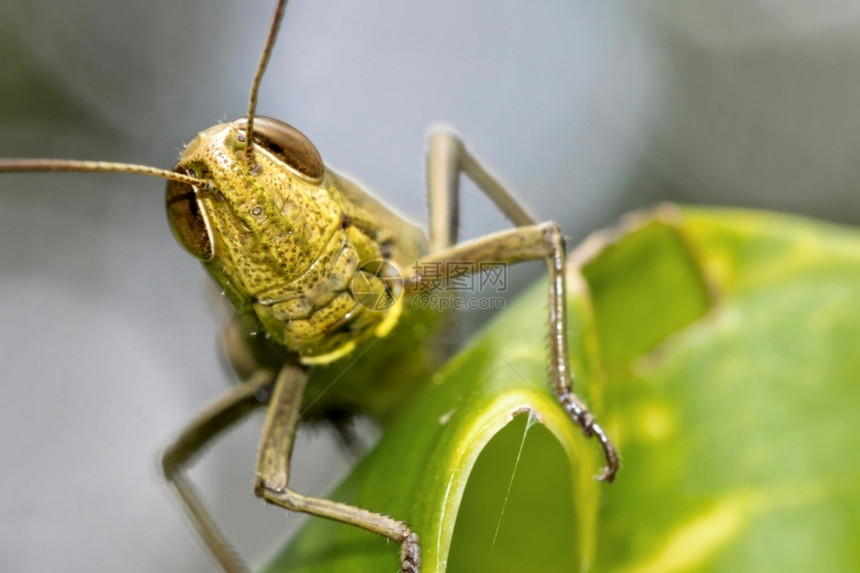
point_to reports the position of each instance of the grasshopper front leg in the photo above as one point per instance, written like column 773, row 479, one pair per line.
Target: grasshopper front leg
column 273, row 460
column 214, row 419
column 273, row 472
column 447, row 158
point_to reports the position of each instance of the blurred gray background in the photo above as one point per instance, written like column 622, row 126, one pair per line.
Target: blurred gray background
column 588, row 109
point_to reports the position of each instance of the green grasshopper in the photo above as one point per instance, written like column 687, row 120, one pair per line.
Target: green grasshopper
column 289, row 241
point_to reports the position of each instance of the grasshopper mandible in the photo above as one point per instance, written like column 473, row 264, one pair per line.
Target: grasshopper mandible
column 284, row 236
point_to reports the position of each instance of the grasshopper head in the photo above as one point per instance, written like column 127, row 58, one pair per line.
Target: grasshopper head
column 286, row 162
column 257, row 224
column 277, row 236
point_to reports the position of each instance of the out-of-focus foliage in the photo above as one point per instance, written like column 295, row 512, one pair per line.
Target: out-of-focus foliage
column 722, row 348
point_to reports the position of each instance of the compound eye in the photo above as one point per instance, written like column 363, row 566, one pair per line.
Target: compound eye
column 287, row 144
column 187, row 220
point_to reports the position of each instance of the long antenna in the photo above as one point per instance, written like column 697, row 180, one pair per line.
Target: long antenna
column 30, row 165
column 258, row 78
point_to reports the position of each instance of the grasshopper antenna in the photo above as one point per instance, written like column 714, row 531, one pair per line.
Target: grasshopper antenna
column 70, row 165
column 258, row 78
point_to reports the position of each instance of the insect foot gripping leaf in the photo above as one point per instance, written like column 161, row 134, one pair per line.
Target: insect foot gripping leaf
column 724, row 343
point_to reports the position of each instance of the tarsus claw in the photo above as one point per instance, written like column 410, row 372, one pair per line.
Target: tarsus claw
column 410, row 554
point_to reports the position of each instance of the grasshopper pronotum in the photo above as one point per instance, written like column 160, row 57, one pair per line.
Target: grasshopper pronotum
column 229, row 219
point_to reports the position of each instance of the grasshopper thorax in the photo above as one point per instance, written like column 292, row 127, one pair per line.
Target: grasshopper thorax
column 279, row 238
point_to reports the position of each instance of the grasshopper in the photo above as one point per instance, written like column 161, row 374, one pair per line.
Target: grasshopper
column 287, row 239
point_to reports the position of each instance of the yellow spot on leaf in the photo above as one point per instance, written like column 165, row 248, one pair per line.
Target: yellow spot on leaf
column 655, row 421
column 691, row 545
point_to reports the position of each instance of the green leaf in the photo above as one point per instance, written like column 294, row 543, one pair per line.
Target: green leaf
column 722, row 347
column 738, row 430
